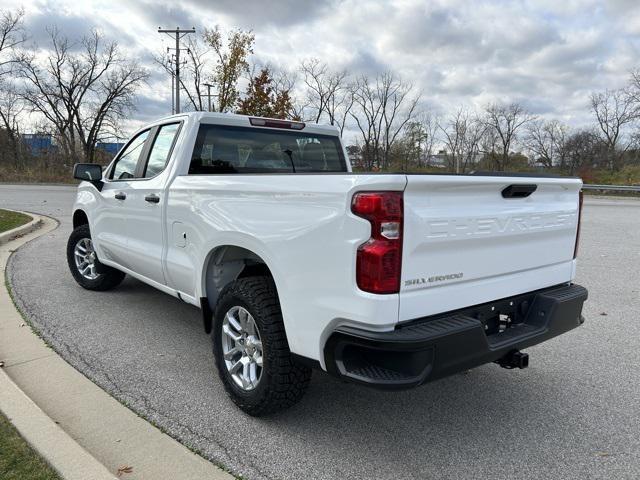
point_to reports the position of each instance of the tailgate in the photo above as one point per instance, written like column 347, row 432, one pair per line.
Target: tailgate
column 465, row 244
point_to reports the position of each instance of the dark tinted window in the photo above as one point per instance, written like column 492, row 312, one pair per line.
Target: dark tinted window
column 125, row 166
column 222, row 149
column 161, row 149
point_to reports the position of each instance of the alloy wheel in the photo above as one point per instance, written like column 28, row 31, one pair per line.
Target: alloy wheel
column 242, row 348
column 85, row 257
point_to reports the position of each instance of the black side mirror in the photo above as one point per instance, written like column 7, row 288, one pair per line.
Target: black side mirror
column 89, row 172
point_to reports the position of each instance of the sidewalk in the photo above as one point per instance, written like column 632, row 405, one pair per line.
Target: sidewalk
column 77, row 427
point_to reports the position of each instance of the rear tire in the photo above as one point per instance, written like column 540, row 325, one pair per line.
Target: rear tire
column 274, row 381
column 85, row 267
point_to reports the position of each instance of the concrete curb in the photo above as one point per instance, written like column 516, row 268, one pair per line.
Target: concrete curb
column 63, row 453
column 81, row 430
column 14, row 233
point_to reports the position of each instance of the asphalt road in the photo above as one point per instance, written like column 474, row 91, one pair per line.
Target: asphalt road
column 574, row 413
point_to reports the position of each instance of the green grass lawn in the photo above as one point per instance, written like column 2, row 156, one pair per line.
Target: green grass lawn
column 17, row 460
column 9, row 220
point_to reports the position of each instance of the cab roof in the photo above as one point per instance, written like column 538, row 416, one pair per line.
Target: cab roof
column 233, row 119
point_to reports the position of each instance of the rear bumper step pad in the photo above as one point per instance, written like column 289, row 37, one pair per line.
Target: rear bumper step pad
column 434, row 347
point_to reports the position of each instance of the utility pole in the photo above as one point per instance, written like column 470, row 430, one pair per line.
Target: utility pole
column 178, row 35
column 173, row 85
column 170, row 66
column 208, row 85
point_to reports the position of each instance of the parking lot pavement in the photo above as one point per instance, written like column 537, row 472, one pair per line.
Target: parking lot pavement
column 572, row 414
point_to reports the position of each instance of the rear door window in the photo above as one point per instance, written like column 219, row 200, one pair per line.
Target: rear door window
column 223, row 149
column 161, row 149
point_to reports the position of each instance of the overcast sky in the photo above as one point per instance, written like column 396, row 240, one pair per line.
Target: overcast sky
column 547, row 54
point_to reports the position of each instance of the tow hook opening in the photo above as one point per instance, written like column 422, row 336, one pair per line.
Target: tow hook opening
column 514, row 359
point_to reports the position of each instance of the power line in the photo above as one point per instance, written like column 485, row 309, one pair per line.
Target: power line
column 178, row 33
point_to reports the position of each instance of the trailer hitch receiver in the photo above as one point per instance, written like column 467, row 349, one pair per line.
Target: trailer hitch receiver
column 514, row 359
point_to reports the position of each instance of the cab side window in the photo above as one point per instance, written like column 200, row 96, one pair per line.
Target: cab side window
column 161, row 149
column 125, row 166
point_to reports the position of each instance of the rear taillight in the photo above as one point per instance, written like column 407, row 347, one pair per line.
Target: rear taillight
column 575, row 249
column 379, row 259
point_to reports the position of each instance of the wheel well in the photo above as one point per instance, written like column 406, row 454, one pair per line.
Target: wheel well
column 79, row 218
column 224, row 265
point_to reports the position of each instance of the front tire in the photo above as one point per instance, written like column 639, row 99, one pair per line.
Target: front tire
column 85, row 267
column 251, row 350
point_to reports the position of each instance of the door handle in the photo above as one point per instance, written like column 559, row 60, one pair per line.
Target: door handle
column 121, row 196
column 153, row 198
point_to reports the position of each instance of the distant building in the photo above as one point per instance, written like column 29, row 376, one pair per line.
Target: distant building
column 38, row 143
column 110, row 148
column 42, row 143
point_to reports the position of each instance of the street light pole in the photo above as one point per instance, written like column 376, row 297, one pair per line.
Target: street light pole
column 178, row 34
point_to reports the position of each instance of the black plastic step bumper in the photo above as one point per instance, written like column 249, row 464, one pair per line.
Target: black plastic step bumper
column 429, row 348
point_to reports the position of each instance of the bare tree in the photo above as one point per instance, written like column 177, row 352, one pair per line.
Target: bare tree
column 472, row 143
column 453, row 131
column 381, row 111
column 546, row 141
column 419, row 139
column 84, row 90
column 614, row 110
column 11, row 106
column 430, row 125
column 328, row 93
column 634, row 86
column 340, row 106
column 410, row 146
column 505, row 121
column 462, row 133
column 398, row 108
column 368, row 119
column 284, row 86
column 582, row 149
column 11, row 36
column 321, row 85
column 196, row 69
column 285, row 80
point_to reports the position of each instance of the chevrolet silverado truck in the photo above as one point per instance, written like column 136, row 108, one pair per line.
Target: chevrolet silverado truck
column 296, row 262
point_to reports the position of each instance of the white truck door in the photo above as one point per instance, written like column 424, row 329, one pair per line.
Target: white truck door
column 146, row 204
column 109, row 228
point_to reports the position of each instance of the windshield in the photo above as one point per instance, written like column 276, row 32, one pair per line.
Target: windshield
column 224, row 149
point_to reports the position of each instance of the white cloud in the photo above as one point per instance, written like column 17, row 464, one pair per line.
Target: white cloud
column 549, row 54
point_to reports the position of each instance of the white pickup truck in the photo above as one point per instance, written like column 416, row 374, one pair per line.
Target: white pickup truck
column 388, row 280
